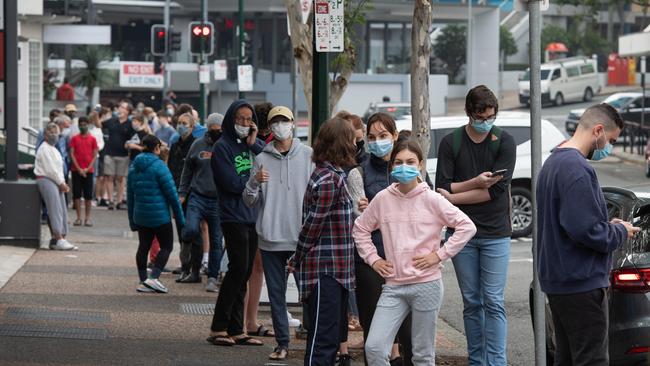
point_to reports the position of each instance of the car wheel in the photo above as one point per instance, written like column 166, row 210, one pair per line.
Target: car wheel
column 588, row 95
column 559, row 99
column 522, row 212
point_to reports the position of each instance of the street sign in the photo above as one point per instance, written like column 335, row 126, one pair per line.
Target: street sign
column 329, row 26
column 204, row 74
column 305, row 8
column 220, row 70
column 140, row 75
column 245, row 77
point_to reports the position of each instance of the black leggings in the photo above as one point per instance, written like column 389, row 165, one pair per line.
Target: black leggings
column 165, row 236
column 368, row 291
column 241, row 246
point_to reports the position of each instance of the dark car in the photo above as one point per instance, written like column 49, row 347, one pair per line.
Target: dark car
column 629, row 293
column 629, row 105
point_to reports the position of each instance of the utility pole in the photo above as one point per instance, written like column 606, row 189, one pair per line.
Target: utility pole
column 11, row 89
column 240, row 33
column 468, row 57
column 202, row 88
column 536, row 164
column 166, row 58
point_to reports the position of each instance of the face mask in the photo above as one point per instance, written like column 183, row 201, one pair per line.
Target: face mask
column 114, row 114
column 242, row 131
column 83, row 130
column 360, row 145
column 214, row 135
column 600, row 154
column 405, row 173
column 282, row 130
column 52, row 139
column 183, row 130
column 380, row 148
column 137, row 128
column 482, row 126
column 170, row 112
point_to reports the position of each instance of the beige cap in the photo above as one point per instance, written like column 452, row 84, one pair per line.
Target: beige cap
column 70, row 108
column 279, row 111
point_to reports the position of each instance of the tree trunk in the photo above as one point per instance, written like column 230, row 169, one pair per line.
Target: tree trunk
column 421, row 53
column 338, row 85
column 301, row 42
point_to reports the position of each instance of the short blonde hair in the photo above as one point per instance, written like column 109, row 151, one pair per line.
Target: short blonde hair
column 190, row 118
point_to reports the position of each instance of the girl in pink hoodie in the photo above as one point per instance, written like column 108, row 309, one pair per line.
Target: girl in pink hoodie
column 410, row 217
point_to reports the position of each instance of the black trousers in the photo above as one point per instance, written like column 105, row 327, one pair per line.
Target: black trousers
column 581, row 328
column 327, row 307
column 368, row 291
column 241, row 246
column 165, row 235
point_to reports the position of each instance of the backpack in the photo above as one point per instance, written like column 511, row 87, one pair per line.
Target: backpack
column 495, row 141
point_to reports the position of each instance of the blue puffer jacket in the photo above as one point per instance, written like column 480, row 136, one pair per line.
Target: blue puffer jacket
column 150, row 192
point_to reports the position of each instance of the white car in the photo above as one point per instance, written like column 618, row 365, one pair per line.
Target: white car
column 516, row 124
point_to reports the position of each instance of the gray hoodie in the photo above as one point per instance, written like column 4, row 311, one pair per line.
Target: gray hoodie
column 280, row 199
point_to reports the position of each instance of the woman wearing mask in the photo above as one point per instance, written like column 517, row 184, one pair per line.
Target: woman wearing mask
column 141, row 129
column 365, row 182
column 410, row 217
column 48, row 169
column 150, row 193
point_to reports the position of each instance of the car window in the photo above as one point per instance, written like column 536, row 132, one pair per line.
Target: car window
column 613, row 210
column 587, row 69
column 544, row 75
column 572, row 71
column 436, row 137
column 639, row 246
column 396, row 112
column 556, row 74
column 521, row 134
column 618, row 103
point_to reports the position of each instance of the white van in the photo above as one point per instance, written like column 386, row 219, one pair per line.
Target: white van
column 568, row 79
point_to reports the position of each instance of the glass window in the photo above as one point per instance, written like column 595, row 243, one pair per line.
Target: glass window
column 572, row 71
column 436, row 137
column 395, row 48
column 587, row 69
column 376, row 60
column 556, row 74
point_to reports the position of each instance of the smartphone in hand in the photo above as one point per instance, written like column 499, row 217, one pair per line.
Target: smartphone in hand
column 499, row 172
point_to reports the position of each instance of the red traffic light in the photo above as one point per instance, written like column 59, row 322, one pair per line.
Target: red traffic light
column 206, row 30
column 197, row 30
column 161, row 34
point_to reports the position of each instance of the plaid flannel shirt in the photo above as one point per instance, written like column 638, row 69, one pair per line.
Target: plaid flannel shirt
column 325, row 245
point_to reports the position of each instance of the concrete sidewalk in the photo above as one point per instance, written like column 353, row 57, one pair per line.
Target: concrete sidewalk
column 81, row 308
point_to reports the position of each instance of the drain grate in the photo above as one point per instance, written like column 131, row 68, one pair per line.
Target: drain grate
column 197, row 309
column 43, row 331
column 61, row 315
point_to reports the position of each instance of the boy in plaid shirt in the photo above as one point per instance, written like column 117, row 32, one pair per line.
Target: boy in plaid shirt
column 324, row 258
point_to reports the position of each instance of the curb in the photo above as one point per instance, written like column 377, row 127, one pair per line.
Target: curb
column 625, row 157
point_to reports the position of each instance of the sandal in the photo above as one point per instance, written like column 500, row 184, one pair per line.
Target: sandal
column 221, row 340
column 279, row 354
column 248, row 341
column 88, row 223
column 77, row 222
column 262, row 331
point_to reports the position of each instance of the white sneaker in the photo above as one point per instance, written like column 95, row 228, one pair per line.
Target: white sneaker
column 63, row 244
column 156, row 285
column 143, row 288
column 293, row 322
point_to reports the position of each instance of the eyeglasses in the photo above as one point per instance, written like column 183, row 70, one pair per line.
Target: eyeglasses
column 244, row 119
column 490, row 119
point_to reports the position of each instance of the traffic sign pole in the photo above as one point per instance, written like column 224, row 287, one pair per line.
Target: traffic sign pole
column 241, row 40
column 202, row 88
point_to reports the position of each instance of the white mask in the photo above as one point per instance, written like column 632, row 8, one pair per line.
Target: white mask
column 242, row 131
column 282, row 130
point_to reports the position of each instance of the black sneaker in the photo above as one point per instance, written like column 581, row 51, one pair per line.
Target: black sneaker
column 121, row 206
column 111, row 206
column 102, row 203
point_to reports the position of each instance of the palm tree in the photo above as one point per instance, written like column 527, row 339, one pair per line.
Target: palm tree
column 92, row 76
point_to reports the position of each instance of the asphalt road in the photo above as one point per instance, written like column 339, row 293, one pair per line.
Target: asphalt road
column 611, row 172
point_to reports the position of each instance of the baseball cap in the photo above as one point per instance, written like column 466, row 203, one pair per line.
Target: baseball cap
column 70, row 108
column 280, row 111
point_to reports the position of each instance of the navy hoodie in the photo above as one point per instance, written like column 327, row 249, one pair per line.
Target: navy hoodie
column 576, row 238
column 232, row 162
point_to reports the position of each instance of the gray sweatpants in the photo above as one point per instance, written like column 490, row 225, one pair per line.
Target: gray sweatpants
column 423, row 300
column 57, row 211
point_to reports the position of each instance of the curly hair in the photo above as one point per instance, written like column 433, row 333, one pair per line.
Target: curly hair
column 262, row 111
column 334, row 143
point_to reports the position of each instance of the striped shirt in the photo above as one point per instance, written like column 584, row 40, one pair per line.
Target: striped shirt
column 325, row 245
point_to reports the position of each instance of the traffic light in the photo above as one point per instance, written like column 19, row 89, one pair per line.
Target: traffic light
column 174, row 41
column 201, row 38
column 158, row 40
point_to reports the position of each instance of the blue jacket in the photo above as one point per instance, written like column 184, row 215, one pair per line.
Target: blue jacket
column 576, row 239
column 232, row 162
column 150, row 192
column 198, row 132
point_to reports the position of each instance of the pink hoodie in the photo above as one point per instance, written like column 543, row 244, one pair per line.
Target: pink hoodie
column 411, row 225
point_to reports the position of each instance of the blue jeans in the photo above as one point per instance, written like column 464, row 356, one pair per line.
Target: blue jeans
column 275, row 273
column 204, row 208
column 482, row 269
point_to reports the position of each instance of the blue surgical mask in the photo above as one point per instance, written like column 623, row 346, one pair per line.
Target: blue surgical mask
column 405, row 173
column 482, row 126
column 380, row 148
column 600, row 154
column 183, row 130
